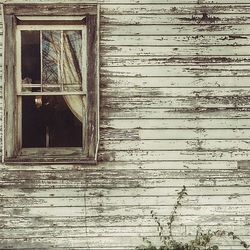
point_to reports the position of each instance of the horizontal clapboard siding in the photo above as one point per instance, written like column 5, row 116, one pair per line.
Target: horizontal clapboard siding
column 167, row 68
column 175, row 110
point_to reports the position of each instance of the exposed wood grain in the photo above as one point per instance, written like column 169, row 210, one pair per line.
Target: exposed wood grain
column 239, row 93
column 150, row 231
column 110, row 231
column 172, row 155
column 174, row 123
column 175, row 40
column 175, row 19
column 176, row 82
column 124, row 183
column 178, row 102
column 184, row 71
column 103, row 242
column 49, row 9
column 170, row 9
column 170, row 1
column 205, row 29
column 122, row 192
column 92, row 232
column 134, row 174
column 178, row 61
column 206, row 145
column 133, row 1
column 174, row 51
column 147, row 220
column 164, row 113
column 9, row 80
column 133, row 165
column 49, row 1
column 91, row 137
column 122, row 201
column 165, row 134
column 28, row 217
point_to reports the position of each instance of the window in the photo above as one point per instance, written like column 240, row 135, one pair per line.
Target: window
column 51, row 83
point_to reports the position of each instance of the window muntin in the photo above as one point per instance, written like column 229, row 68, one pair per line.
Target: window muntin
column 60, row 59
column 51, row 83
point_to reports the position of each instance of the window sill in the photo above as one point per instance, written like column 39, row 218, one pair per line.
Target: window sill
column 51, row 156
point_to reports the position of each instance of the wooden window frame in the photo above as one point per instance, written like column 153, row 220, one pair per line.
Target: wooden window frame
column 13, row 153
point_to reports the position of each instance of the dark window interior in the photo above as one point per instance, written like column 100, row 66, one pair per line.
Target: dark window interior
column 30, row 56
column 48, row 121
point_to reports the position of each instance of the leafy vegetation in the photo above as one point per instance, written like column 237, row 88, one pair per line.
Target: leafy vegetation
column 202, row 240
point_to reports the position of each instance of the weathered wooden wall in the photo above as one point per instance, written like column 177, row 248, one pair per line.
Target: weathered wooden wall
column 175, row 110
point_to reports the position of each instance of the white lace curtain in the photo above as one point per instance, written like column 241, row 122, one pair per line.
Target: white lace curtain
column 62, row 66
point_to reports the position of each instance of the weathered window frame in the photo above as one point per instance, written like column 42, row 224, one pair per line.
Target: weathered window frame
column 12, row 148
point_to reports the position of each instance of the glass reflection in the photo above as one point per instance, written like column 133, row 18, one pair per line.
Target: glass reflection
column 51, row 48
column 72, row 59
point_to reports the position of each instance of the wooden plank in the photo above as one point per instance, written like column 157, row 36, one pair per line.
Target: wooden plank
column 92, row 232
column 50, row 1
column 174, row 123
column 194, row 113
column 167, row 82
column 238, row 93
column 180, row 165
column 122, row 183
column 92, row 113
column 135, row 174
column 102, row 221
column 170, row 1
column 174, row 51
column 233, row 19
column 126, row 192
column 151, row 231
column 201, row 145
column 133, row 165
column 180, row 71
column 175, row 40
column 179, row 9
column 205, row 29
column 133, row 1
column 122, row 201
column 239, row 101
column 28, row 217
column 173, row 155
column 10, row 127
column 43, row 202
column 179, row 61
column 101, row 243
column 49, row 9
column 164, row 174
column 174, row 134
column 122, row 231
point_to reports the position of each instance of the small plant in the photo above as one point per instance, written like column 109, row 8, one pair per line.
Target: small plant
column 202, row 241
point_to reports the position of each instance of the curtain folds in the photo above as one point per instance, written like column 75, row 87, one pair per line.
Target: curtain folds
column 72, row 73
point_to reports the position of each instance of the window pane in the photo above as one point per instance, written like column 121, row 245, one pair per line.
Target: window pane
column 72, row 60
column 48, row 121
column 30, row 60
column 60, row 68
column 51, row 52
